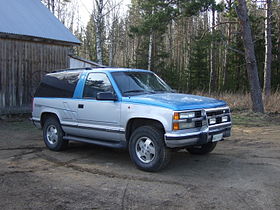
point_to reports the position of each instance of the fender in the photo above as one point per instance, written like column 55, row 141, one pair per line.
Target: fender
column 132, row 111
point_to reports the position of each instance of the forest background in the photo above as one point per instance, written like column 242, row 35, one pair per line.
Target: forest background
column 196, row 46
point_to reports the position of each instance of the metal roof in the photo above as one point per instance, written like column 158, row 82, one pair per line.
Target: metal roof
column 86, row 61
column 105, row 69
column 32, row 18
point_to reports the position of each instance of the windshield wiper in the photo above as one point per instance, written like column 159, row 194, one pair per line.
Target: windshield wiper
column 134, row 91
column 165, row 91
column 138, row 91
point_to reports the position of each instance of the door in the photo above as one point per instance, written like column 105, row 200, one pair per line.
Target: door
column 98, row 119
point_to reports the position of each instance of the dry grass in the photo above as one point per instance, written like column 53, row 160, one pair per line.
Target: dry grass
column 242, row 102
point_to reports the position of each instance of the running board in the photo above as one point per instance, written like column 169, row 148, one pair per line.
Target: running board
column 113, row 144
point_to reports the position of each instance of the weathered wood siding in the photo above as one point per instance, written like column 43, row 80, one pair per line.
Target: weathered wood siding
column 74, row 63
column 22, row 65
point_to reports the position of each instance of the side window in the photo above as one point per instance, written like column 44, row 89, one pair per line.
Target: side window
column 95, row 83
column 59, row 85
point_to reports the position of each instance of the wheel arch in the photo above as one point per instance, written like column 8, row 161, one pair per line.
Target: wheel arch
column 47, row 114
column 137, row 122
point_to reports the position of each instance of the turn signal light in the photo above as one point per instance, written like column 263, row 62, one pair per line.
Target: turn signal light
column 176, row 116
column 176, row 126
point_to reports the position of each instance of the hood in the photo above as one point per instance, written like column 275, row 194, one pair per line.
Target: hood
column 176, row 101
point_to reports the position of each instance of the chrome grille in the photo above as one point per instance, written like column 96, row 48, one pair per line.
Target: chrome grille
column 216, row 116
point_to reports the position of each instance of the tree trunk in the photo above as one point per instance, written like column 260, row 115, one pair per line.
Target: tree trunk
column 49, row 4
column 268, row 51
column 99, row 29
column 53, row 6
column 251, row 62
column 226, row 55
column 111, row 43
column 213, row 73
column 150, row 51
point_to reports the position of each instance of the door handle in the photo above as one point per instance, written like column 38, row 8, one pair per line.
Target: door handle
column 80, row 106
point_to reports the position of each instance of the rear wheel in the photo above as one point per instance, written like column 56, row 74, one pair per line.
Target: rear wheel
column 202, row 149
column 53, row 135
column 147, row 149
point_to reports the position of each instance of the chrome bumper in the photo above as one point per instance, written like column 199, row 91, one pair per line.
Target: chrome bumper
column 180, row 140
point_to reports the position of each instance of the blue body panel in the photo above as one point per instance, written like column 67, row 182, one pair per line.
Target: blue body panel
column 176, row 101
column 173, row 101
column 80, row 86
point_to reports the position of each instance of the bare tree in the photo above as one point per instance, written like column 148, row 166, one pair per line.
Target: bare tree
column 213, row 74
column 150, row 50
column 99, row 23
column 113, row 29
column 268, row 50
column 52, row 5
column 228, row 41
column 251, row 62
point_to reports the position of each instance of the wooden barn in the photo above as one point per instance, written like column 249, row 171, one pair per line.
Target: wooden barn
column 32, row 43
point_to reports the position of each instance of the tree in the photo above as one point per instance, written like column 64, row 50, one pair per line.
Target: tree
column 113, row 26
column 99, row 23
column 268, row 51
column 213, row 73
column 185, row 42
column 251, row 62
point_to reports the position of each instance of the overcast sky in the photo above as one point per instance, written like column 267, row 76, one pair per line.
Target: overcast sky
column 86, row 6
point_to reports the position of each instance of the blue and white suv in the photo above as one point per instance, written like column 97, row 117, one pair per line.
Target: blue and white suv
column 127, row 108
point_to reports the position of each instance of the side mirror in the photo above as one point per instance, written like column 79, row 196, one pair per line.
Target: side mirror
column 106, row 96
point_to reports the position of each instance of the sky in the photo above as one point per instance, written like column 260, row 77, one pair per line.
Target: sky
column 86, row 7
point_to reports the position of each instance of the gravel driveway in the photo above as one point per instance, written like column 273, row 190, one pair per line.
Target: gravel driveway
column 243, row 172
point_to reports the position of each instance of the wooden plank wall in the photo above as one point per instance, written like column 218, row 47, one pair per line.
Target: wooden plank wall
column 22, row 65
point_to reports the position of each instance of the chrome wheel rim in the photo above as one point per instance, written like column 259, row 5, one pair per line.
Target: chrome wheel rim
column 52, row 135
column 145, row 150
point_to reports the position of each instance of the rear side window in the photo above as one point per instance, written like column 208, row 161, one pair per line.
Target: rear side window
column 58, row 85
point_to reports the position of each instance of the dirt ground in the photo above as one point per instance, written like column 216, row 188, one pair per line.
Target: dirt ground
column 243, row 172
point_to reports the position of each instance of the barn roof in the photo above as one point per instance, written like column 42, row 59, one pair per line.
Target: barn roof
column 32, row 18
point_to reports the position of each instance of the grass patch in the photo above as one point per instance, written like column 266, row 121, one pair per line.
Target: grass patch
column 242, row 102
column 251, row 119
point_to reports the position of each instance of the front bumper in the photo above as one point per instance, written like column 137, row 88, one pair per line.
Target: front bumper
column 191, row 138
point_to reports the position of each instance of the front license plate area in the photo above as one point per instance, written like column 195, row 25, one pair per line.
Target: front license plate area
column 217, row 137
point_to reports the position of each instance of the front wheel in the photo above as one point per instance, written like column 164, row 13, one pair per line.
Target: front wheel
column 147, row 149
column 202, row 149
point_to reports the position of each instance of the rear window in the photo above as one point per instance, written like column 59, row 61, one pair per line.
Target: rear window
column 58, row 85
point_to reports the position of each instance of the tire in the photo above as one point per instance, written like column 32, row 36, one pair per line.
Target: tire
column 203, row 149
column 147, row 149
column 53, row 135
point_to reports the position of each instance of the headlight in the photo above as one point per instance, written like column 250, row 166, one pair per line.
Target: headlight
column 187, row 115
column 183, row 115
column 183, row 120
column 224, row 118
column 212, row 121
column 186, row 125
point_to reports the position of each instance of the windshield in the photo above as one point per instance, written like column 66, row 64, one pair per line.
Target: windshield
column 136, row 83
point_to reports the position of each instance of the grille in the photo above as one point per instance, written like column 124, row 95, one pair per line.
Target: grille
column 198, row 124
column 218, row 114
column 197, row 114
